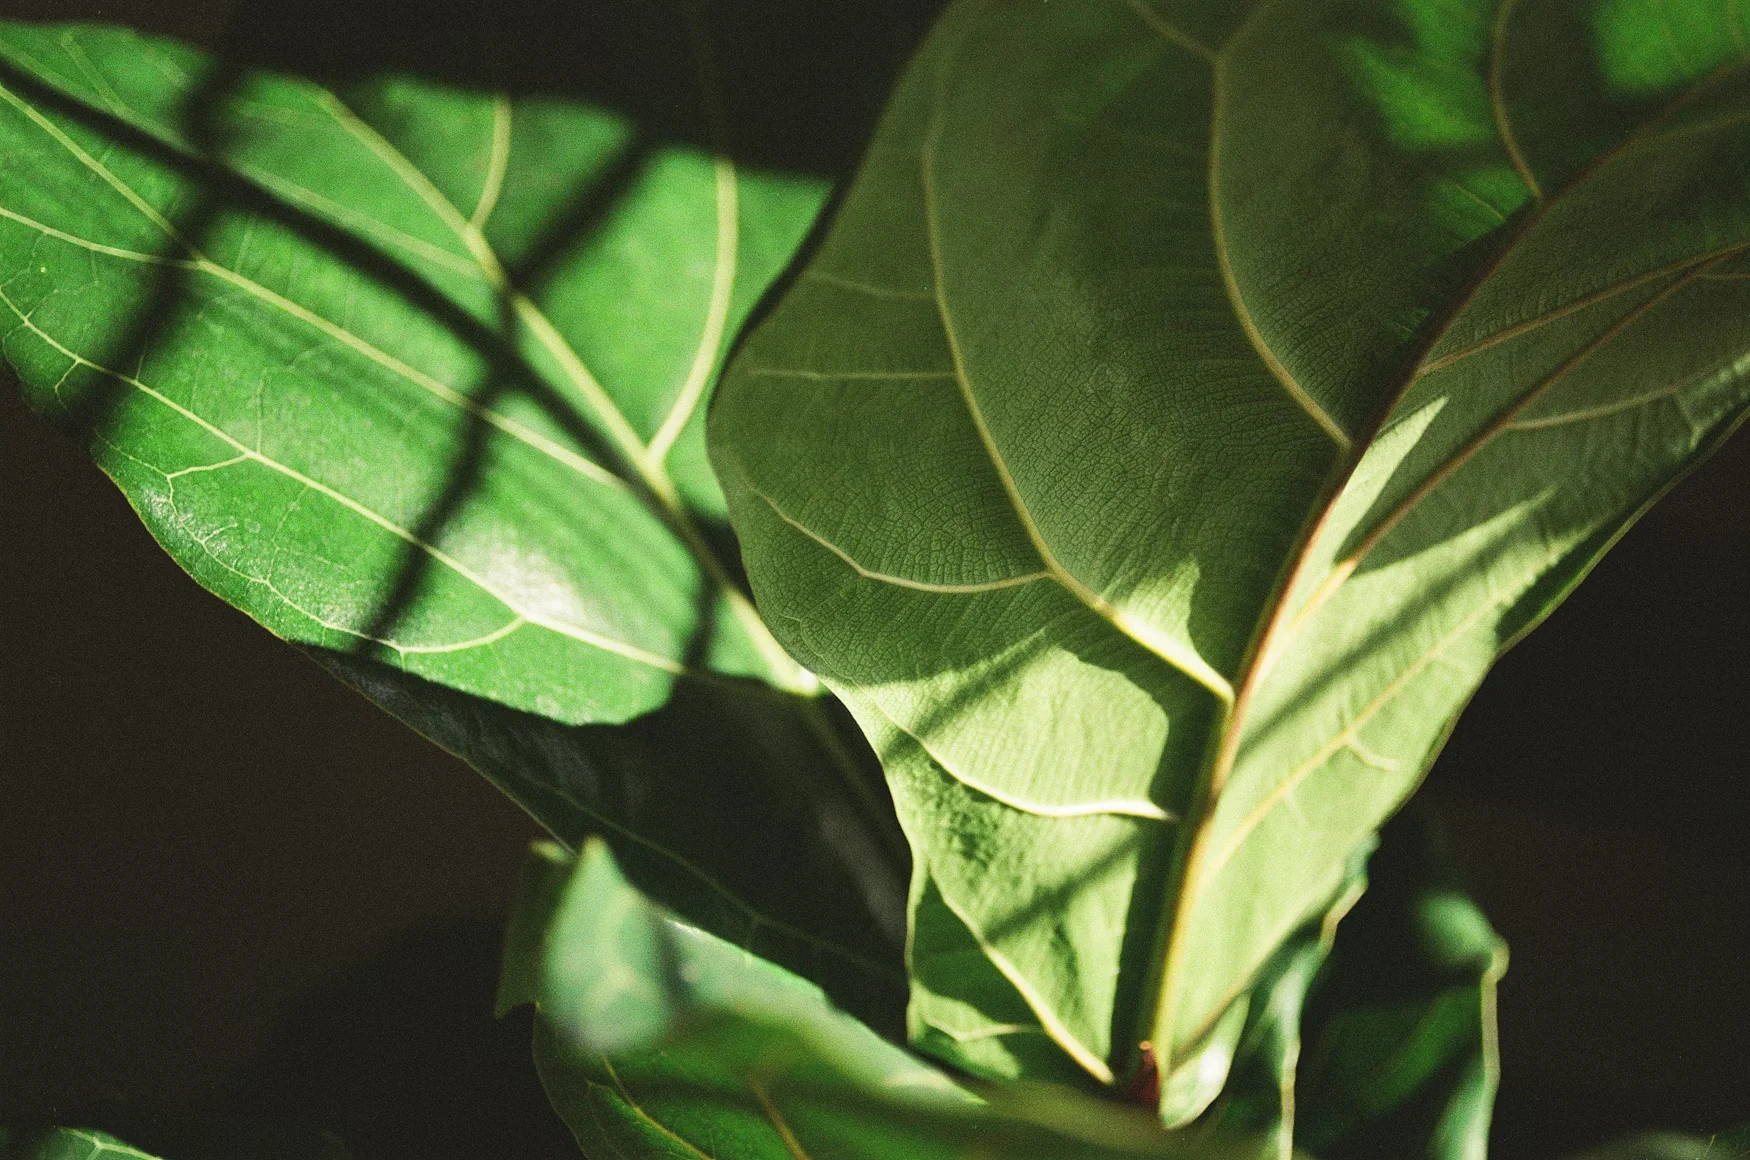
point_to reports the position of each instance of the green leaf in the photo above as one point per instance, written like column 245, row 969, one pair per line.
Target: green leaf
column 1733, row 1145
column 215, row 1140
column 64, row 1144
column 1187, row 405
column 355, row 361
column 414, row 376
column 741, row 807
column 1372, row 1031
column 1399, row 1048
column 656, row 1039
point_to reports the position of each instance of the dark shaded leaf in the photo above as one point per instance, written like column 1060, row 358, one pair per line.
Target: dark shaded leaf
column 656, row 1039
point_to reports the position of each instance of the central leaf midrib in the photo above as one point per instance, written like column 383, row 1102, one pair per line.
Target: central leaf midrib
column 654, row 477
column 1188, row 890
column 651, row 470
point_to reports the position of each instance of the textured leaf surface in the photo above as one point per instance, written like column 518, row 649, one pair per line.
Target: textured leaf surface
column 655, row 1039
column 414, row 376
column 1188, row 404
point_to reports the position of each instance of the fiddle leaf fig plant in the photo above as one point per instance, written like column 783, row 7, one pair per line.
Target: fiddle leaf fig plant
column 966, row 633
column 1187, row 405
column 332, row 347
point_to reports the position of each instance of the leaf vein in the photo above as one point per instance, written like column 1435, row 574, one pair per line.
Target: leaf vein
column 638, row 1111
column 582, row 635
column 791, row 1143
column 716, row 317
column 200, row 263
column 1574, row 307
column 1342, row 739
column 1172, row 652
column 1166, row 31
column 1230, row 283
column 1504, row 418
column 1498, row 98
column 888, row 578
column 497, row 163
column 852, row 284
column 1052, row 1024
column 1145, row 810
column 847, row 376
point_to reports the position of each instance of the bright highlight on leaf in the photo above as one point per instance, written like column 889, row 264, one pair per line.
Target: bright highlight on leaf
column 364, row 376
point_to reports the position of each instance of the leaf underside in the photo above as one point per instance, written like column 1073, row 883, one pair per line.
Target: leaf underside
column 1187, row 405
column 1730, row 1145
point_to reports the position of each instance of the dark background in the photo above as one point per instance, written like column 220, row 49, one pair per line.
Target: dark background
column 229, row 884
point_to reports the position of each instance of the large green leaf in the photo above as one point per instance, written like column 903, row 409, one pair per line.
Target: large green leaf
column 656, row 1039
column 414, row 375
column 1188, row 404
column 353, row 362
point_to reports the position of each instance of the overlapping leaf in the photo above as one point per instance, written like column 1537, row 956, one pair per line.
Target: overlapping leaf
column 656, row 1039
column 1188, row 404
column 734, row 804
column 414, row 376
column 350, row 363
column 1372, row 1031
column 64, row 1144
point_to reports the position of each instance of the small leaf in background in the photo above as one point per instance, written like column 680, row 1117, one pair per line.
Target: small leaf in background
column 1400, row 1051
column 64, row 1144
column 1732, row 1145
column 1372, row 1031
column 211, row 1140
column 1186, row 406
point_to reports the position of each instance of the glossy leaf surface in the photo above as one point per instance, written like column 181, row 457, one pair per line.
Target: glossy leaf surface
column 656, row 1039
column 1187, row 405
column 414, row 376
column 356, row 363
